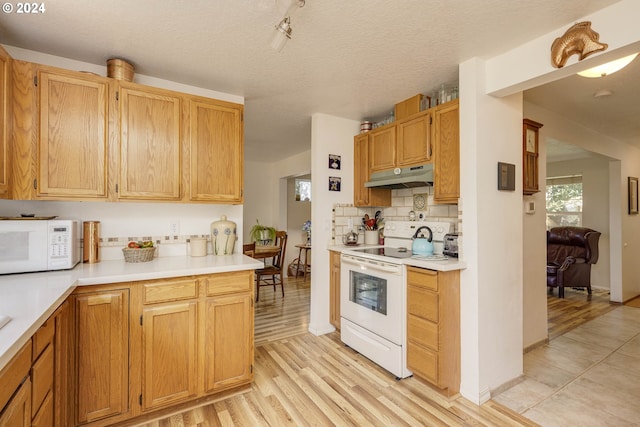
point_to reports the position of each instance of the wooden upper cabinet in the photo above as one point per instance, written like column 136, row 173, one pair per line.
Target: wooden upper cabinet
column 5, row 111
column 73, row 134
column 363, row 196
column 382, row 149
column 216, row 150
column 361, row 169
column 446, row 145
column 413, row 141
column 150, row 143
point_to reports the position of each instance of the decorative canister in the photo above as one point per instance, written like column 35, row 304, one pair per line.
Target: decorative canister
column 91, row 242
column 223, row 236
column 365, row 126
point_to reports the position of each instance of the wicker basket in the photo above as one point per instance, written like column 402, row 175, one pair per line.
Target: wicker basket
column 138, row 254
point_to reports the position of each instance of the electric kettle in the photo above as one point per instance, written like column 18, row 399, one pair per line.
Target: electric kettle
column 422, row 245
column 350, row 239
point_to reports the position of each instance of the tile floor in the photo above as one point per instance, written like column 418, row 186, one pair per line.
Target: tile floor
column 590, row 376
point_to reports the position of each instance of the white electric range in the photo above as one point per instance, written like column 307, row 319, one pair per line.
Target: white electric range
column 373, row 294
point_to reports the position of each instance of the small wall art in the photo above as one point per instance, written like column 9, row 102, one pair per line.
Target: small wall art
column 334, row 162
column 334, row 183
column 633, row 195
column 506, row 176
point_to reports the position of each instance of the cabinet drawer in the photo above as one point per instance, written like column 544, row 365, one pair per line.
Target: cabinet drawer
column 43, row 337
column 170, row 290
column 42, row 378
column 423, row 278
column 423, row 362
column 13, row 374
column 423, row 332
column 422, row 303
column 225, row 283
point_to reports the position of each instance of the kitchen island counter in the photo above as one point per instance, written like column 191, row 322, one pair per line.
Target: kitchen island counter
column 29, row 299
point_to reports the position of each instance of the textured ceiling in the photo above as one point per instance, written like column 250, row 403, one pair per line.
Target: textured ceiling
column 352, row 59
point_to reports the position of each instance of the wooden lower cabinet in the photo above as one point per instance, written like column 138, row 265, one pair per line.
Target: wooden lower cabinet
column 18, row 411
column 169, row 354
column 228, row 341
column 102, row 354
column 143, row 346
column 334, row 289
column 433, row 326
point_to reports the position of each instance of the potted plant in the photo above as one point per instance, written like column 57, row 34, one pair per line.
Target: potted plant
column 262, row 234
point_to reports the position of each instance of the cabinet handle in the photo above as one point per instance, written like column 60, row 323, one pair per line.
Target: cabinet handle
column 35, row 184
column 35, row 81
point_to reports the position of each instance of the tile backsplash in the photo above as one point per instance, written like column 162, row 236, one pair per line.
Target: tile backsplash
column 402, row 202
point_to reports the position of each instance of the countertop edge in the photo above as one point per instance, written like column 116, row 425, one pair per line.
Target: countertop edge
column 451, row 264
column 104, row 273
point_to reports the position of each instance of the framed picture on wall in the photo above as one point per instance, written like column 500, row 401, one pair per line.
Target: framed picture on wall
column 633, row 195
column 334, row 183
column 334, row 161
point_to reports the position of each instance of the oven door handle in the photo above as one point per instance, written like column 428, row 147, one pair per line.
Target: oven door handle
column 371, row 265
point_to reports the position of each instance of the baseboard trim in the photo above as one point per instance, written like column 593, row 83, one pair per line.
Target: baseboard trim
column 535, row 345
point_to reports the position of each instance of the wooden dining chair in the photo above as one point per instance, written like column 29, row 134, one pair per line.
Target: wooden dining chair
column 249, row 249
column 272, row 275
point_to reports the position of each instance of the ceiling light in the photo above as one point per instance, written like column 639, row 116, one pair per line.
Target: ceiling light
column 282, row 34
column 283, row 30
column 608, row 68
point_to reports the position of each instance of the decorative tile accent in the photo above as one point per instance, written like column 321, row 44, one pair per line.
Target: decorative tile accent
column 401, row 205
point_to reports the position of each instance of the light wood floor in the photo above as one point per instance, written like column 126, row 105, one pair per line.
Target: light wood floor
column 576, row 308
column 304, row 380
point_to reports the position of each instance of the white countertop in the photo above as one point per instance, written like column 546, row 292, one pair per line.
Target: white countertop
column 450, row 264
column 29, row 299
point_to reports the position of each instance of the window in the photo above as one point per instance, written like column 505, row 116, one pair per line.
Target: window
column 303, row 190
column 564, row 201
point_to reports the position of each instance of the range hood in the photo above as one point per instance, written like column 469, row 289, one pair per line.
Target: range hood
column 414, row 176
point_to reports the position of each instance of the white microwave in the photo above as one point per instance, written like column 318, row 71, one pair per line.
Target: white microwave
column 39, row 245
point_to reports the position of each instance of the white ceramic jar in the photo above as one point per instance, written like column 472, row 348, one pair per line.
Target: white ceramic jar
column 223, row 236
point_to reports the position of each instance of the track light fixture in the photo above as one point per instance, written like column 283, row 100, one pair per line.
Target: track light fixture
column 283, row 30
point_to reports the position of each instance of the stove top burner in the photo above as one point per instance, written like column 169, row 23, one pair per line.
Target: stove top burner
column 400, row 253
column 390, row 252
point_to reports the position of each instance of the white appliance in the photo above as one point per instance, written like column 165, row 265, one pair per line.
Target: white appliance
column 372, row 310
column 373, row 294
column 29, row 244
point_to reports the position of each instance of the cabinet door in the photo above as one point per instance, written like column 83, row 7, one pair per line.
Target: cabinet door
column 23, row 131
column 216, row 151
column 73, row 135
column 414, row 141
column 228, row 341
column 382, row 149
column 446, row 144
column 169, row 354
column 5, row 86
column 334, row 289
column 363, row 196
column 150, row 143
column 62, row 367
column 18, row 412
column 102, row 348
column 361, row 170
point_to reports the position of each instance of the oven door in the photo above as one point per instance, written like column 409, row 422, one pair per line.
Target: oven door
column 372, row 296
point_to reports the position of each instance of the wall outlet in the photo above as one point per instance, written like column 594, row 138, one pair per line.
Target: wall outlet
column 174, row 228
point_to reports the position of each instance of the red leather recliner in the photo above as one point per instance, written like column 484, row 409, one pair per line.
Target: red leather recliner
column 570, row 253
